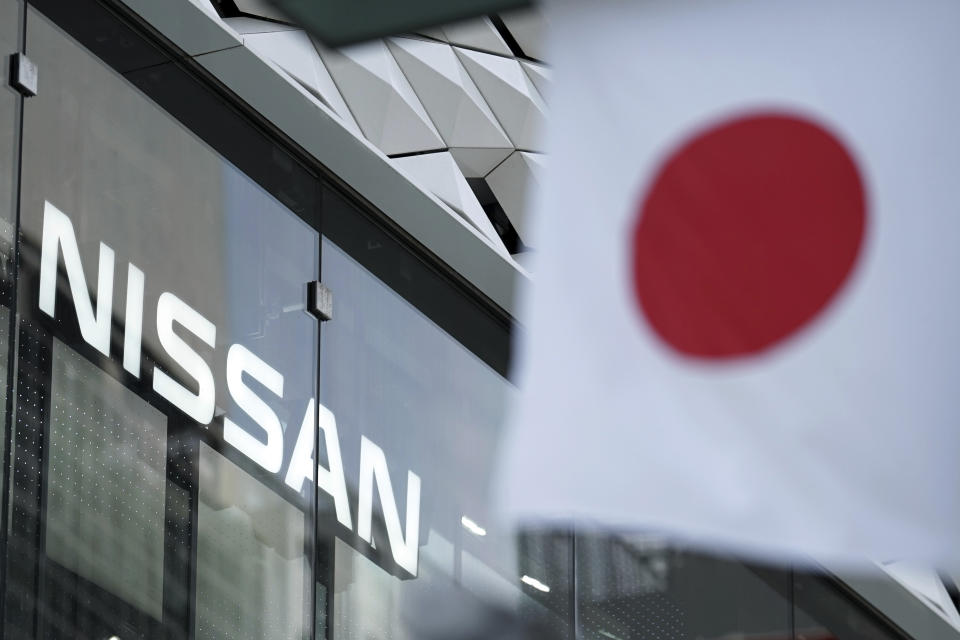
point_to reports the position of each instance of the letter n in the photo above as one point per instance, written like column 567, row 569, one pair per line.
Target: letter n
column 58, row 234
column 373, row 470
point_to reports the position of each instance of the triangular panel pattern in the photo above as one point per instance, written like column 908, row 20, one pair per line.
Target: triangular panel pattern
column 207, row 8
column 459, row 101
column 381, row 99
column 541, row 76
column 511, row 183
column 439, row 174
column 244, row 25
column 294, row 52
column 477, row 34
column 510, row 93
column 927, row 584
column 449, row 95
column 477, row 163
column 435, row 33
column 260, row 8
column 527, row 27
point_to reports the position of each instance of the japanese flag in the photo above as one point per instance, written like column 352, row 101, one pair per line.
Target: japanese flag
column 745, row 325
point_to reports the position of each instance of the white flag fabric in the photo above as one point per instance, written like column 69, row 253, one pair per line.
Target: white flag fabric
column 745, row 326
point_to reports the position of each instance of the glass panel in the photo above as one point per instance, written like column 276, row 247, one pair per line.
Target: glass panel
column 10, row 26
column 394, row 378
column 9, row 131
column 632, row 588
column 823, row 609
column 4, row 355
column 250, row 557
column 105, row 491
column 172, row 365
column 367, row 604
column 126, row 175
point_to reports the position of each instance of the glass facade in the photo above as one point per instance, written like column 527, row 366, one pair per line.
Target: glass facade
column 10, row 22
column 191, row 454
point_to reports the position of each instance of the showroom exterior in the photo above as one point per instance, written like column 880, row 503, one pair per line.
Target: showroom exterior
column 194, row 449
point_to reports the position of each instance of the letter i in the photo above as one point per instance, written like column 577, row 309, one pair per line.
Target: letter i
column 133, row 323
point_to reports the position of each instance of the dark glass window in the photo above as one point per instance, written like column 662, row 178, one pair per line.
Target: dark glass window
column 251, row 561
column 167, row 362
column 393, row 372
column 11, row 23
column 639, row 587
column 106, row 482
column 9, row 126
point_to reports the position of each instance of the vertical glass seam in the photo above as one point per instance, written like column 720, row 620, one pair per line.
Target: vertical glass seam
column 12, row 333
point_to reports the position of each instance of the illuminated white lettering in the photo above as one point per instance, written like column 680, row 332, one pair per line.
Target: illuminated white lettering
column 172, row 309
column 373, row 470
column 95, row 327
column 133, row 322
column 301, row 462
column 58, row 232
column 330, row 479
column 269, row 454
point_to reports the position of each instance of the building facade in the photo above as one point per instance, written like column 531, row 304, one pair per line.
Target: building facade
column 255, row 344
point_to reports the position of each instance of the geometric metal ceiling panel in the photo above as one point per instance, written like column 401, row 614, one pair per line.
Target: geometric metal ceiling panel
column 462, row 101
column 477, row 34
column 477, row 163
column 293, row 51
column 540, row 75
column 527, row 27
column 450, row 97
column 260, row 8
column 512, row 182
column 510, row 93
column 381, row 99
column 439, row 174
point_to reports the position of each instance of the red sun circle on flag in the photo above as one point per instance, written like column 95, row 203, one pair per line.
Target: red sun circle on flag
column 746, row 234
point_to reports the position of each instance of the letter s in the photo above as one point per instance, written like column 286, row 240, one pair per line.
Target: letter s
column 172, row 309
column 269, row 454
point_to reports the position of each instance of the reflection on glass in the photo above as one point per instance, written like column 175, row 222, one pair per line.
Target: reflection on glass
column 371, row 604
column 825, row 611
column 366, row 601
column 631, row 587
column 4, row 355
column 9, row 27
column 638, row 587
column 391, row 374
column 129, row 175
column 9, row 131
column 105, row 492
column 546, row 575
column 250, row 557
